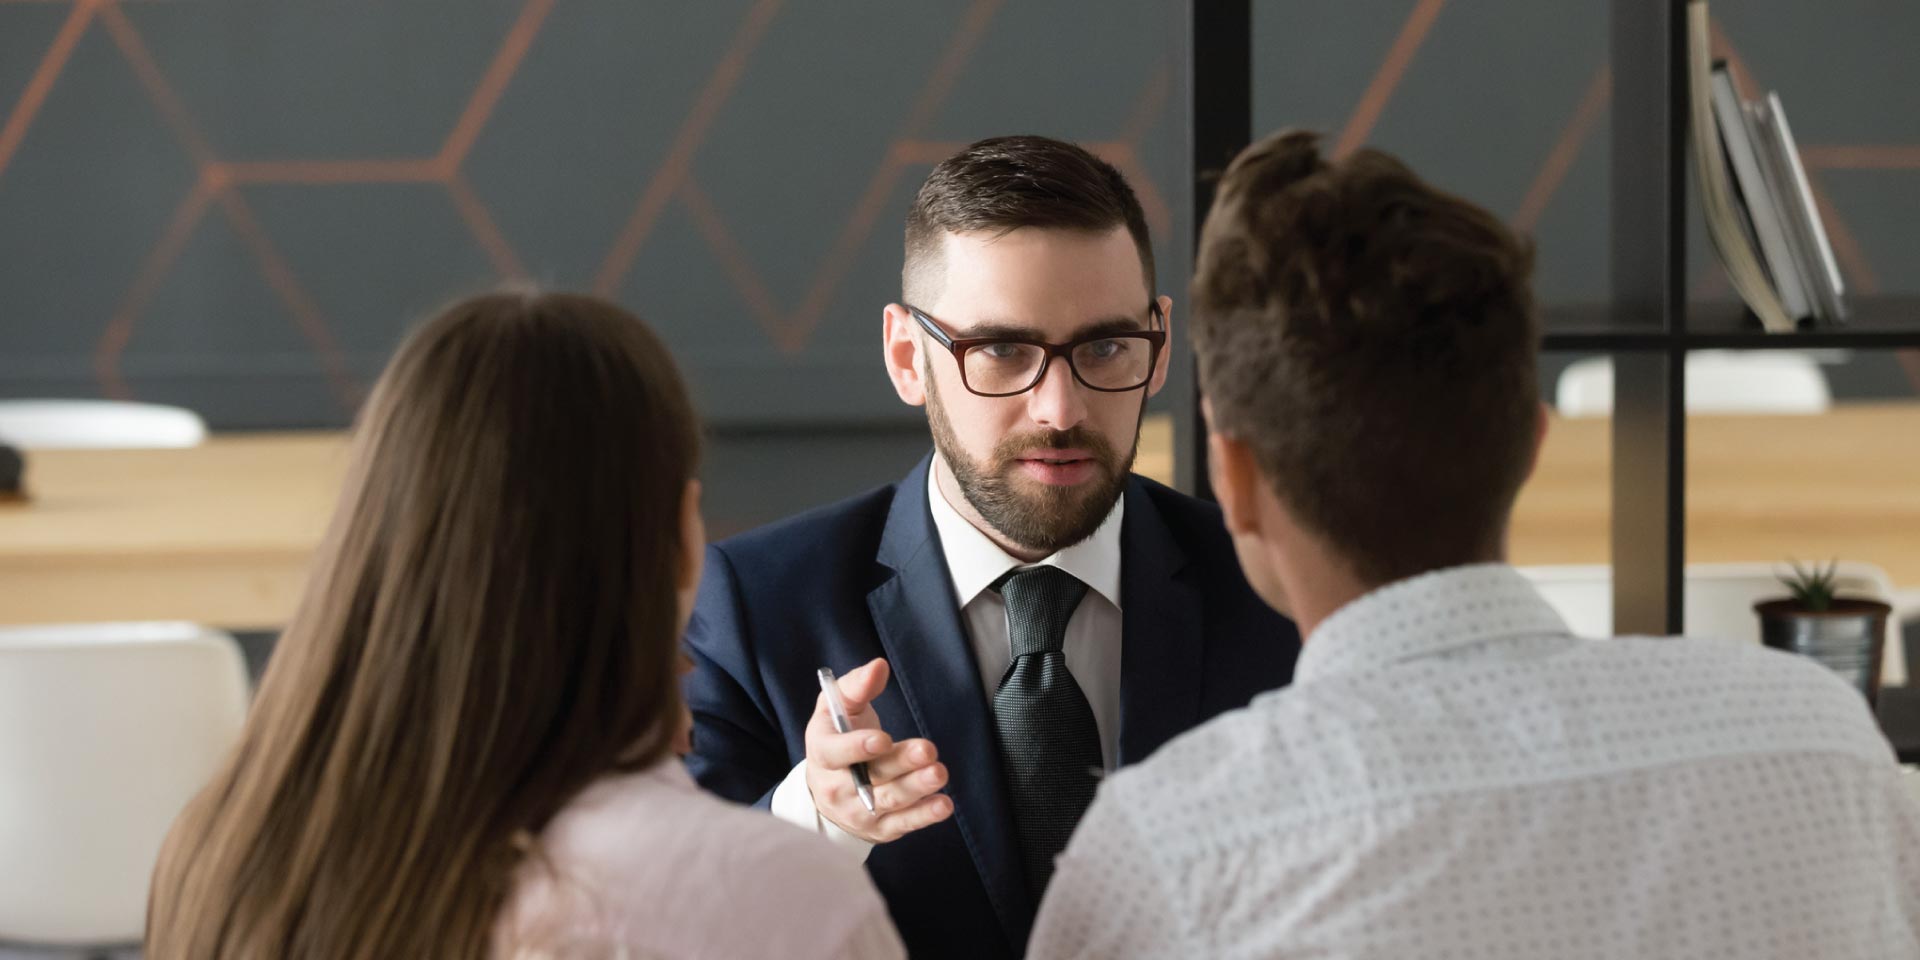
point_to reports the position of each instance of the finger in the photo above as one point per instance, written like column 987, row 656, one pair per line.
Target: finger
column 905, row 757
column 821, row 724
column 921, row 815
column 897, row 795
column 837, row 751
column 861, row 686
column 833, row 793
column 857, row 690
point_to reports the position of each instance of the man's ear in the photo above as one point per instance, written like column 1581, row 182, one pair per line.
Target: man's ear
column 1165, row 363
column 901, row 348
column 1236, row 482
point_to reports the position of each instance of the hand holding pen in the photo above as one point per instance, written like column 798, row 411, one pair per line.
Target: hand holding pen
column 837, row 711
column 903, row 779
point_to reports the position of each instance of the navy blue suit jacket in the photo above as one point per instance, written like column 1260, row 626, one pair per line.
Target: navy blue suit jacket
column 867, row 578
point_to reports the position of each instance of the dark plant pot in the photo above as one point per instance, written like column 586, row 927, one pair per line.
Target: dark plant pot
column 1847, row 637
column 13, row 468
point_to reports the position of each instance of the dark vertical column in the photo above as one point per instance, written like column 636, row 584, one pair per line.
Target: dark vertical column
column 1649, row 491
column 1649, row 110
column 1221, row 85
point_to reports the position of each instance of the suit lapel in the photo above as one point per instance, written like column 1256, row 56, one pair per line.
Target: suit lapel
column 1161, row 632
column 933, row 665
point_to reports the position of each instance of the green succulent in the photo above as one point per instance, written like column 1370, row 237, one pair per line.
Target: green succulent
column 1812, row 588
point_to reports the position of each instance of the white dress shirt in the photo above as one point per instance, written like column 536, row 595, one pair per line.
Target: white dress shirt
column 1452, row 774
column 974, row 562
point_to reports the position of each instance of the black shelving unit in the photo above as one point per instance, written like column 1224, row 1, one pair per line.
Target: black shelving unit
column 1649, row 325
column 1220, row 126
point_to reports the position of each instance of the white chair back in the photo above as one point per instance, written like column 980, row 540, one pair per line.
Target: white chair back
column 106, row 731
column 1719, row 601
column 1718, row 382
column 97, row 424
column 1581, row 592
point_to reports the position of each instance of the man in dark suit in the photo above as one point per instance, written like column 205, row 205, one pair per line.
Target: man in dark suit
column 1021, row 613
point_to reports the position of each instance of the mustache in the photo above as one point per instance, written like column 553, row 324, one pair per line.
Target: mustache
column 1019, row 446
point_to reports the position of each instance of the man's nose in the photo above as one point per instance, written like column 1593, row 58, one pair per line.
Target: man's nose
column 1057, row 400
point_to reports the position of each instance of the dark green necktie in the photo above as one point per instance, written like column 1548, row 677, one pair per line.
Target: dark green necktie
column 1049, row 743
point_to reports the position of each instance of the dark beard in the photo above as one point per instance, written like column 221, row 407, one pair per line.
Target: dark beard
column 1050, row 519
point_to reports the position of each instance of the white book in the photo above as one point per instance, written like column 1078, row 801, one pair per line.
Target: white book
column 1716, row 194
column 1830, row 289
column 1736, row 131
column 1773, row 167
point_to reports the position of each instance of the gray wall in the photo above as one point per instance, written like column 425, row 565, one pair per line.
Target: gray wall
column 239, row 206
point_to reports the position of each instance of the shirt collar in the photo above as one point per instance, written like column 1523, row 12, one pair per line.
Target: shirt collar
column 975, row 562
column 1426, row 615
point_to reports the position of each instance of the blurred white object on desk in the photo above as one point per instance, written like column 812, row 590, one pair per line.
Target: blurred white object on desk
column 98, row 424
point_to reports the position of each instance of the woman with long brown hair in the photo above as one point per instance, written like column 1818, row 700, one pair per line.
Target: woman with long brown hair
column 464, row 742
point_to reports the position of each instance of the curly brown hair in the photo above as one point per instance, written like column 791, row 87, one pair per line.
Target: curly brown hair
column 1373, row 341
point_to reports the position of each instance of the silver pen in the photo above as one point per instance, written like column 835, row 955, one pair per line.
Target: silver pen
column 837, row 708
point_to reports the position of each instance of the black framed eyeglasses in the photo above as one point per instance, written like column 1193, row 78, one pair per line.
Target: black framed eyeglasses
column 1113, row 362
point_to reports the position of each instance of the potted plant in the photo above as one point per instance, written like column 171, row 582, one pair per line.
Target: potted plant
column 12, row 468
column 1844, row 633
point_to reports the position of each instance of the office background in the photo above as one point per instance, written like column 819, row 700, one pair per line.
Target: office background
column 239, row 207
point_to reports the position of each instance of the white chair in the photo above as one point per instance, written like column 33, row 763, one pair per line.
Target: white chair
column 106, row 731
column 1718, row 382
column 1718, row 604
column 99, row 424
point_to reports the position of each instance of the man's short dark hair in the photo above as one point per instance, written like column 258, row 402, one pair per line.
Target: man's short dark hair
column 1005, row 183
column 1373, row 341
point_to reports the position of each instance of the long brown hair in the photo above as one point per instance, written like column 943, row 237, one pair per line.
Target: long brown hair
column 491, row 624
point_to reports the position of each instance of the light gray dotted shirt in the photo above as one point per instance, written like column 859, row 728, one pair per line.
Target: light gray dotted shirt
column 1452, row 775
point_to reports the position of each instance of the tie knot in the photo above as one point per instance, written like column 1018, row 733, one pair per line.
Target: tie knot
column 1040, row 601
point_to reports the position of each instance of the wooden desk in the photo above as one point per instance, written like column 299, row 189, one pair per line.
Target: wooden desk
column 222, row 534
column 1843, row 484
column 219, row 534
column 1155, row 458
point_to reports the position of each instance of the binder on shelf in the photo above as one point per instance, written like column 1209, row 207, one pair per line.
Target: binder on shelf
column 1723, row 213
column 1829, row 290
column 1786, row 203
column 1773, row 168
column 1757, row 193
column 1757, row 200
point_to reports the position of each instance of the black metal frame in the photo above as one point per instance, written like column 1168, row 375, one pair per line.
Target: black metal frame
column 1648, row 187
column 1646, row 327
column 1220, row 125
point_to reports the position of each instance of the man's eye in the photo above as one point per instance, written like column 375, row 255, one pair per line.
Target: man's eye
column 1002, row 351
column 1106, row 349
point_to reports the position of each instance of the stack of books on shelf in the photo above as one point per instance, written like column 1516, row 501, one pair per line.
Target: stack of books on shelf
column 1759, row 207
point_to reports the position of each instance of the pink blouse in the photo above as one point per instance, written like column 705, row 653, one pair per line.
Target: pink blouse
column 647, row 865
